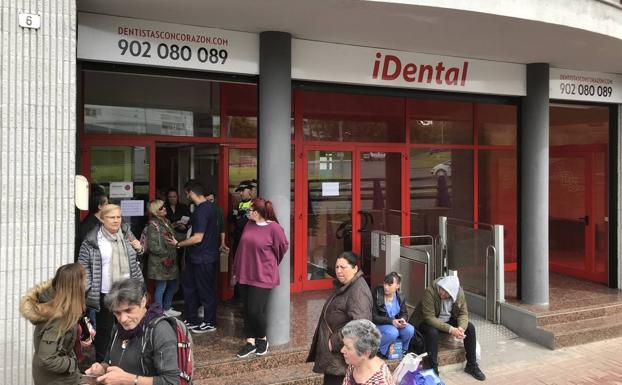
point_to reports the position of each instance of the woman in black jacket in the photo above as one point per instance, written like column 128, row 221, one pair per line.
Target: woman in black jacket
column 390, row 314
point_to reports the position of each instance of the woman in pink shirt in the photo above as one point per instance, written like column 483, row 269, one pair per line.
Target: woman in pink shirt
column 256, row 270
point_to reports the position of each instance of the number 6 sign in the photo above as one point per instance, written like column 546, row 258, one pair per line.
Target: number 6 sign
column 29, row 20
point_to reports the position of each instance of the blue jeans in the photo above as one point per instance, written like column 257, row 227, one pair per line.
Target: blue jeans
column 164, row 292
column 390, row 334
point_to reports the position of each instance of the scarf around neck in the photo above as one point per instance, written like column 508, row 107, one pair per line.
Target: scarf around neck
column 119, row 260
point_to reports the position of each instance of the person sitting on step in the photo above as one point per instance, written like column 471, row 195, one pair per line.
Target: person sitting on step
column 443, row 309
column 390, row 314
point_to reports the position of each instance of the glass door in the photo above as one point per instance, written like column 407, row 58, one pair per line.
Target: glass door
column 578, row 225
column 328, row 218
column 179, row 162
column 124, row 174
column 379, row 198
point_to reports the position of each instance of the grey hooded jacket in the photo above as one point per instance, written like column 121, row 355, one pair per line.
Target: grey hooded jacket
column 90, row 258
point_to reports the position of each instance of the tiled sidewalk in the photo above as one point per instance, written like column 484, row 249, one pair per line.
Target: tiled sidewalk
column 517, row 362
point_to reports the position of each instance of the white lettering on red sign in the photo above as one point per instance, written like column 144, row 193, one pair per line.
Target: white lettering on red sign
column 391, row 68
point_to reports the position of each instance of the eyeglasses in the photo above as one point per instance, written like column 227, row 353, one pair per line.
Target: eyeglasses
column 161, row 208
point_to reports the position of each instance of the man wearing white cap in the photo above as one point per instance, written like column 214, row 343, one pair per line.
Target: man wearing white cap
column 443, row 309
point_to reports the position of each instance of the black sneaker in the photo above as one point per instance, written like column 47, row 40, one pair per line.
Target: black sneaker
column 204, row 328
column 262, row 346
column 246, row 350
column 474, row 370
column 190, row 326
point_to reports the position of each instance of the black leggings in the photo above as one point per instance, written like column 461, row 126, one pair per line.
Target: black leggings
column 255, row 301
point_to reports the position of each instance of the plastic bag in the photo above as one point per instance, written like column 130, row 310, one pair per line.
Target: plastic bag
column 410, row 363
column 430, row 377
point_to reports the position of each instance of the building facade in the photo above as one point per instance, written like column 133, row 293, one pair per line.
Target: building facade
column 354, row 116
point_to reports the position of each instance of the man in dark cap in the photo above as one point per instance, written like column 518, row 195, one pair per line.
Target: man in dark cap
column 239, row 218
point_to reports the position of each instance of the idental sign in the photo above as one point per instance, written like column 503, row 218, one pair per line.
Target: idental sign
column 340, row 63
column 392, row 69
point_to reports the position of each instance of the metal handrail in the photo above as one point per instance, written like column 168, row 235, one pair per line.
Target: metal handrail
column 494, row 277
column 492, row 227
column 426, row 267
column 420, row 237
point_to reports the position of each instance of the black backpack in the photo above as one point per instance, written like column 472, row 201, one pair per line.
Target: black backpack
column 417, row 343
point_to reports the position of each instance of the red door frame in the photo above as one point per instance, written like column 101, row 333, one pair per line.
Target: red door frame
column 356, row 149
column 587, row 152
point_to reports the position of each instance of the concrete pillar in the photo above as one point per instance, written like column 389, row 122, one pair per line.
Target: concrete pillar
column 37, row 164
column 274, row 144
column 534, row 187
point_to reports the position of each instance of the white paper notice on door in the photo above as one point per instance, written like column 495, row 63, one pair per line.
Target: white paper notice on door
column 330, row 189
column 121, row 190
column 133, row 208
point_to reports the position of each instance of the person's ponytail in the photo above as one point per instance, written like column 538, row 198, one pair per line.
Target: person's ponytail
column 270, row 215
column 265, row 209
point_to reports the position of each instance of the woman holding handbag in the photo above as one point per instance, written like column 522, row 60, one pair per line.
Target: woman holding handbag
column 256, row 269
column 162, row 264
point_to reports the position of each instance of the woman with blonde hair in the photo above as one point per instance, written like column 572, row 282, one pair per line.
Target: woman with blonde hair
column 162, row 260
column 55, row 308
column 108, row 254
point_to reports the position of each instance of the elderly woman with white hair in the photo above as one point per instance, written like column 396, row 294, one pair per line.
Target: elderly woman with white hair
column 361, row 340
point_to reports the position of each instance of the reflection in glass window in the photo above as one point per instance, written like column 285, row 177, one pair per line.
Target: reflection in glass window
column 240, row 109
column 496, row 124
column 351, row 118
column 441, row 184
column 578, row 124
column 441, row 122
column 329, row 212
column 119, row 103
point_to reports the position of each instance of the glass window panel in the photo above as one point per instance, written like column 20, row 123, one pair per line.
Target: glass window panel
column 242, row 166
column 240, row 105
column 122, row 164
column 578, row 124
column 180, row 162
column 496, row 124
column 441, row 184
column 440, row 122
column 497, row 195
column 329, row 212
column 567, row 208
column 351, row 118
column 116, row 103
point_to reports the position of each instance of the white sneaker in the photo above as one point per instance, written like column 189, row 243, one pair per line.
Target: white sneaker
column 172, row 313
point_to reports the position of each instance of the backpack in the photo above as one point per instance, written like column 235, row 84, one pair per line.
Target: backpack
column 184, row 347
column 417, row 343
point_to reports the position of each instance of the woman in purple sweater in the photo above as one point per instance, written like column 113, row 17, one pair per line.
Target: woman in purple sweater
column 256, row 270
